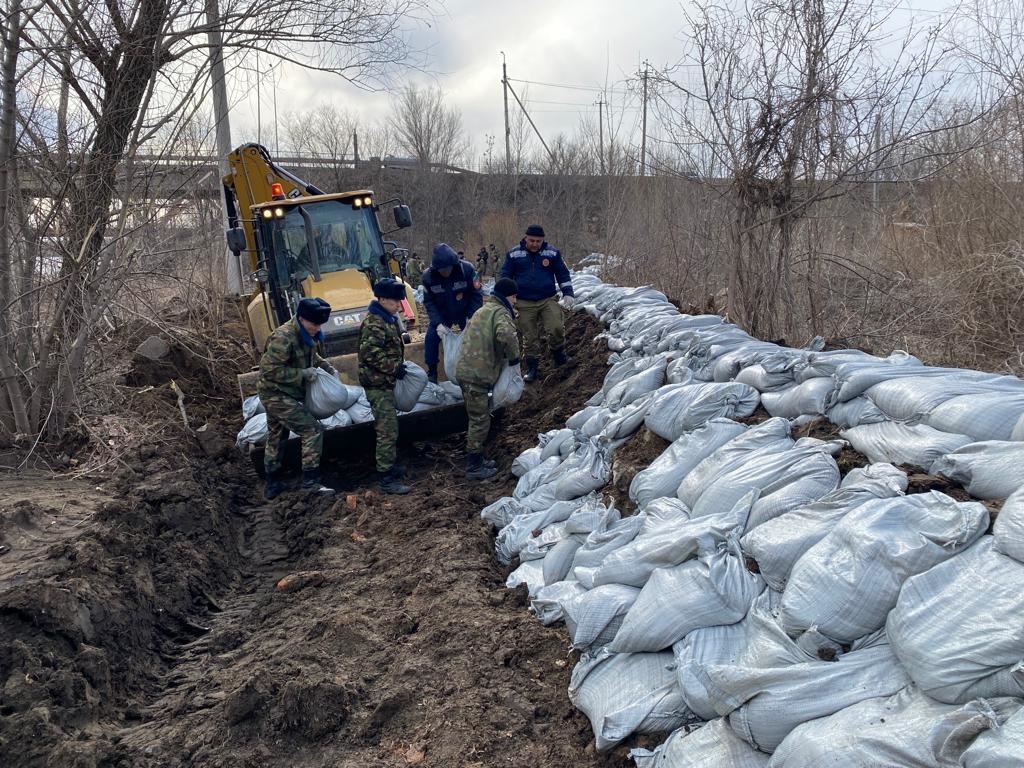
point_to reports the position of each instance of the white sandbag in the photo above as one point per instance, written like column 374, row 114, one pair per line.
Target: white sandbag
column 627, row 420
column 409, row 388
column 767, row 437
column 669, row 545
column 547, row 604
column 636, row 386
column 526, row 461
column 530, row 573
column 784, row 480
column 678, row 372
column 508, row 388
column 532, row 479
column 361, row 411
column 337, row 420
column 917, row 445
column 433, row 395
column 853, row 413
column 600, row 544
column 913, row 398
column 252, row 406
column 715, row 589
column 253, row 432
column 514, row 536
column 988, row 416
column 1000, row 747
column 957, row 627
column 714, row 745
column 541, row 541
column 764, row 379
column 720, row 644
column 847, row 583
column 595, row 424
column 503, row 511
column 679, row 408
column 586, row 469
column 451, row 346
column 578, row 419
column 558, row 560
column 662, row 514
column 1008, row 530
column 663, row 475
column 817, row 364
column 990, row 469
column 809, row 397
column 626, row 693
column 452, row 390
column 777, row 684
column 594, row 616
column 905, row 730
column 777, row 544
column 326, row 395
column 552, row 443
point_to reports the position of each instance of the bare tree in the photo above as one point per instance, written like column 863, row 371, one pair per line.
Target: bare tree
column 85, row 87
column 427, row 129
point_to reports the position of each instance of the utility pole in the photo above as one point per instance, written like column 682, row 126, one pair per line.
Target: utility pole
column 643, row 129
column 233, row 269
column 600, row 131
column 355, row 148
column 508, row 131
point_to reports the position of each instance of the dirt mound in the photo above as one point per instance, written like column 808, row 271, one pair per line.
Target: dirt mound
column 144, row 626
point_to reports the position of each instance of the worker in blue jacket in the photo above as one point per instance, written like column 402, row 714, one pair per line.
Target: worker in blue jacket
column 540, row 273
column 451, row 294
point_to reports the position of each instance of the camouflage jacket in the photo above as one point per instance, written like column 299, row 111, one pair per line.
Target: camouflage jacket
column 380, row 348
column 489, row 343
column 283, row 359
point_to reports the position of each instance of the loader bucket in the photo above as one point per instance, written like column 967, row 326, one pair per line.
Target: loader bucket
column 359, row 438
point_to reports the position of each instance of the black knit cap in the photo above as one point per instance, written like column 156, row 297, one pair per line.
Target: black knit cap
column 535, row 230
column 505, row 287
column 389, row 288
column 314, row 310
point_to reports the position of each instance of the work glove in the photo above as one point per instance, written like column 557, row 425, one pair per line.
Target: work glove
column 400, row 371
column 309, row 373
column 325, row 366
column 443, row 330
column 567, row 303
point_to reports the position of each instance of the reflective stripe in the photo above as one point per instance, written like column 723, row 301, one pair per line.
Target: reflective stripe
column 565, row 285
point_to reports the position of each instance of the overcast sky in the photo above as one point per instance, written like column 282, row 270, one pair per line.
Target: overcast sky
column 574, row 47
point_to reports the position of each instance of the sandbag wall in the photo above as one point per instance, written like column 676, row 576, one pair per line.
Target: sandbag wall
column 760, row 606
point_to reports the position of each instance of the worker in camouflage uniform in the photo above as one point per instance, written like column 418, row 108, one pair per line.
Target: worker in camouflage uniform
column 381, row 364
column 489, row 345
column 540, row 273
column 291, row 359
column 413, row 270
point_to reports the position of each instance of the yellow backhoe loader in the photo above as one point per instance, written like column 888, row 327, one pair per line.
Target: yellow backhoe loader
column 300, row 241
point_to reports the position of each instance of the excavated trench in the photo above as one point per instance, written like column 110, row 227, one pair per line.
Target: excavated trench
column 165, row 615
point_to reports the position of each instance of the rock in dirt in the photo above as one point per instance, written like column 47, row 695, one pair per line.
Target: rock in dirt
column 293, row 582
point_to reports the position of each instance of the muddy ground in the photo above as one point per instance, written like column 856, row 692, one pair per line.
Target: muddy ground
column 141, row 623
column 155, row 611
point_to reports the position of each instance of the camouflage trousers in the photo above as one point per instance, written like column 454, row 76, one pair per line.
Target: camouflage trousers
column 382, row 401
column 284, row 414
column 479, row 411
column 537, row 319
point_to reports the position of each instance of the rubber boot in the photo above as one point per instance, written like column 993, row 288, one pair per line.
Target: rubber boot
column 274, row 487
column 532, row 370
column 489, row 463
column 311, row 482
column 560, row 357
column 432, row 374
column 390, row 482
column 475, row 468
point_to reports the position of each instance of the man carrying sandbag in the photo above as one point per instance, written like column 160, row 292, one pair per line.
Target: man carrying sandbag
column 289, row 361
column 451, row 294
column 381, row 364
column 489, row 345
